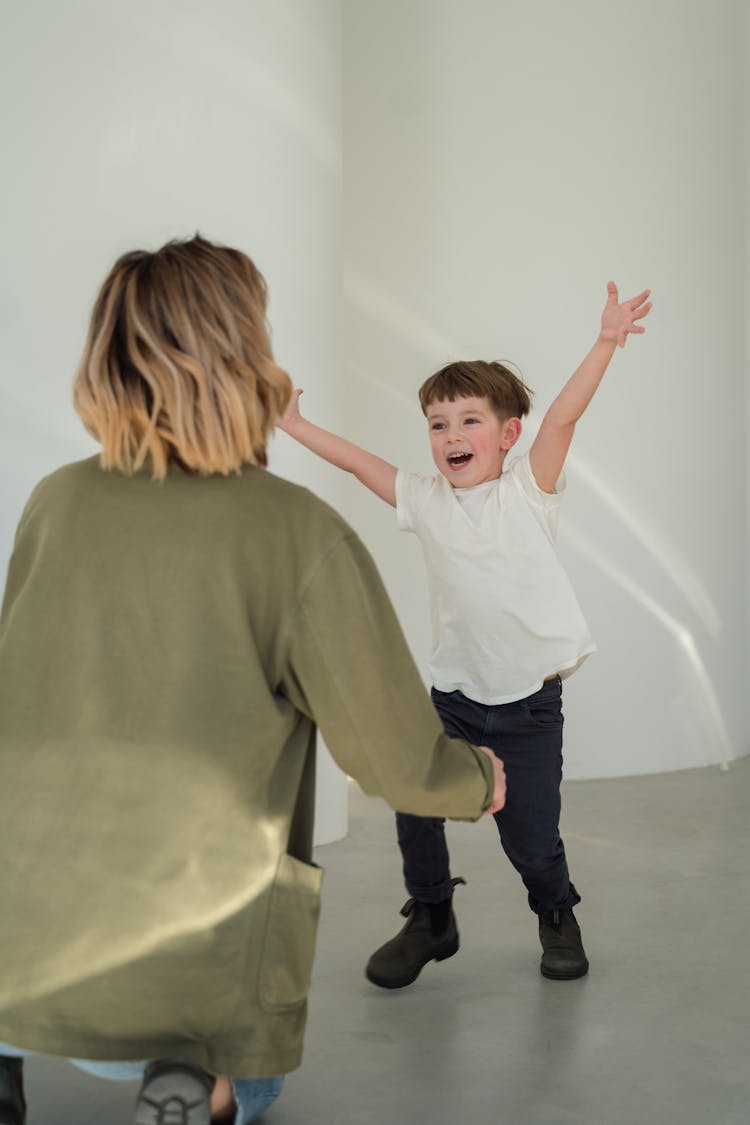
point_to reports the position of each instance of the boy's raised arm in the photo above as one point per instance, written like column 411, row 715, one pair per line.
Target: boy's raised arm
column 378, row 475
column 551, row 444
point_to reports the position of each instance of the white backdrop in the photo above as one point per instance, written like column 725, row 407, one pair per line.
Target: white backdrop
column 129, row 124
column 502, row 162
column 746, row 69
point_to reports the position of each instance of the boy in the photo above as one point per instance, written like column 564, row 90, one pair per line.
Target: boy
column 506, row 627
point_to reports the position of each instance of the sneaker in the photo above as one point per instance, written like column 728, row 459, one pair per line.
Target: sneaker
column 430, row 934
column 12, row 1100
column 563, row 957
column 174, row 1093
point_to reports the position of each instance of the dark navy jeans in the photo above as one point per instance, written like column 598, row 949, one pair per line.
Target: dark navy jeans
column 527, row 736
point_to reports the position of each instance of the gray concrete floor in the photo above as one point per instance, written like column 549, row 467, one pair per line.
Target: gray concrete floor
column 657, row 1034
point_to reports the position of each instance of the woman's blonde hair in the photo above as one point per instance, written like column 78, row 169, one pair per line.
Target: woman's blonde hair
column 178, row 363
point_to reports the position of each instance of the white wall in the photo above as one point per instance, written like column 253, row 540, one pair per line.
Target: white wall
column 502, row 161
column 746, row 130
column 128, row 124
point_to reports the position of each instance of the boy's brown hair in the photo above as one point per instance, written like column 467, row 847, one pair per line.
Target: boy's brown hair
column 507, row 394
column 178, row 365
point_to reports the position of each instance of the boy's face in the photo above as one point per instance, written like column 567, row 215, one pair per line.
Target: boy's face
column 469, row 441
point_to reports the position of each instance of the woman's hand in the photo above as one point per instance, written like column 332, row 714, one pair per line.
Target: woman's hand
column 498, row 797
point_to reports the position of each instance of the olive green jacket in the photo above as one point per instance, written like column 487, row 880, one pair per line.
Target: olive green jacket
column 166, row 652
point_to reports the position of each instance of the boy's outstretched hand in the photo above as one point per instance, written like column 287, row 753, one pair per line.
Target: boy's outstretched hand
column 618, row 318
column 291, row 414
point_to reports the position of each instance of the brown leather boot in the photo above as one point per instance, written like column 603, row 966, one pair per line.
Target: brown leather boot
column 430, row 934
column 563, row 957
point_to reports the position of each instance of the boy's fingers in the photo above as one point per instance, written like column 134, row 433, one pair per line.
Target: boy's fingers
column 634, row 302
column 611, row 293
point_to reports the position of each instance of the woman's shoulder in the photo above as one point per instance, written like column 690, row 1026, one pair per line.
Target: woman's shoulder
column 287, row 496
column 59, row 482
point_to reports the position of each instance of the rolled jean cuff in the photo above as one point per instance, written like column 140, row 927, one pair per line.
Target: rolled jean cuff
column 571, row 899
column 254, row 1096
column 436, row 892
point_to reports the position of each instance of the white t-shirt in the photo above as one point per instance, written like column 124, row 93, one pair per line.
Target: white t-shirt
column 504, row 614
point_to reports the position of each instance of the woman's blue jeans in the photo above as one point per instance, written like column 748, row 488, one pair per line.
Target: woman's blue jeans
column 253, row 1095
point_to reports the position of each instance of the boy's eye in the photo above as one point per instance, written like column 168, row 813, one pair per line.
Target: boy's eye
column 437, row 426
column 472, row 421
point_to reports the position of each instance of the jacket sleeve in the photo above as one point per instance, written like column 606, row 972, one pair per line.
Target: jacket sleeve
column 349, row 669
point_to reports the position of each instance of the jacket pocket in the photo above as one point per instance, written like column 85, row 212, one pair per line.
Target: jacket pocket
column 289, row 942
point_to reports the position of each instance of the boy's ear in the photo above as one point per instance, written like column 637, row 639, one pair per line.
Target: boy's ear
column 511, row 432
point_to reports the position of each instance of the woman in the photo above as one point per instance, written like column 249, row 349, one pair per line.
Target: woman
column 177, row 621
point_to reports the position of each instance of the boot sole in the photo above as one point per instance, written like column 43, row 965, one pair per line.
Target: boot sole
column 173, row 1096
column 565, row 976
column 402, row 982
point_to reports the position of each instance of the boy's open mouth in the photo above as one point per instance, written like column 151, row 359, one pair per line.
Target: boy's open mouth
column 458, row 460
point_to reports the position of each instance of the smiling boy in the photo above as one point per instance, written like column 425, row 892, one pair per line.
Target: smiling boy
column 506, row 624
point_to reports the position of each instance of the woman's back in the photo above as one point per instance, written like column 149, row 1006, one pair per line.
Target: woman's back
column 144, row 652
column 176, row 623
